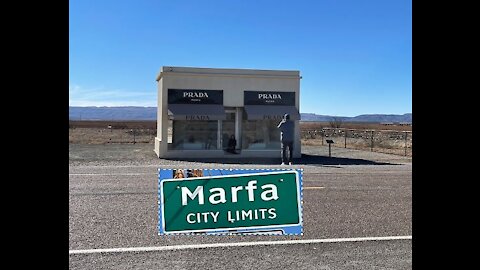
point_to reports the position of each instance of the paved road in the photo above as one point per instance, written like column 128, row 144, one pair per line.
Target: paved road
column 364, row 255
column 115, row 205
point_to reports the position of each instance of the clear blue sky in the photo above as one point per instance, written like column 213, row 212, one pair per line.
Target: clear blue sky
column 355, row 56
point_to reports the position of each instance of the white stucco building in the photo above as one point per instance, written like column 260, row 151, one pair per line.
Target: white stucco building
column 199, row 109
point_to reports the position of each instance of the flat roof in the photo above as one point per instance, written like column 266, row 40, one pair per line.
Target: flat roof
column 228, row 72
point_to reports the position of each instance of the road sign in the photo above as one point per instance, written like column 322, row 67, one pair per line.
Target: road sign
column 231, row 202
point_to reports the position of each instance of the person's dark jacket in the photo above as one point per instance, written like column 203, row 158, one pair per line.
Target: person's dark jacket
column 232, row 143
column 287, row 130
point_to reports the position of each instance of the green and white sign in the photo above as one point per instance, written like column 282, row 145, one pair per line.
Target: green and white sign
column 264, row 201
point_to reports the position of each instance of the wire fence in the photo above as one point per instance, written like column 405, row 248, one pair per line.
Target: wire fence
column 112, row 135
column 384, row 141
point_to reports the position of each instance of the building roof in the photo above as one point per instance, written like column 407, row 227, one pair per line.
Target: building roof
column 291, row 74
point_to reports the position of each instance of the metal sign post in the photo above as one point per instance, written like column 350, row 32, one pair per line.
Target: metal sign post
column 330, row 147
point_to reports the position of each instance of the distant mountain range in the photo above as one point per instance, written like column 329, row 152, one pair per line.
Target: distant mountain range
column 150, row 113
column 113, row 113
column 376, row 118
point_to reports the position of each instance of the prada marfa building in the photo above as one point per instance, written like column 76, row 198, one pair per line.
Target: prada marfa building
column 199, row 109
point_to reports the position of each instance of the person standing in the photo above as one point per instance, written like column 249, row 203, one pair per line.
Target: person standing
column 232, row 144
column 286, row 136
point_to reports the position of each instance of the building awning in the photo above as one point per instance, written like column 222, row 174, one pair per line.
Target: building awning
column 271, row 112
column 196, row 112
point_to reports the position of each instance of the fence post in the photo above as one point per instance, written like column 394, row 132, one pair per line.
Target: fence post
column 371, row 147
column 345, row 138
column 405, row 143
column 322, row 135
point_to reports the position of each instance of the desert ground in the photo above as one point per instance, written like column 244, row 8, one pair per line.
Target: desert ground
column 357, row 211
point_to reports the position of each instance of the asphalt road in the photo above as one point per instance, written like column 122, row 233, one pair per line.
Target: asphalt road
column 114, row 205
column 365, row 255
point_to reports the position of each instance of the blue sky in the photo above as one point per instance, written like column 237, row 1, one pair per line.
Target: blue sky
column 355, row 57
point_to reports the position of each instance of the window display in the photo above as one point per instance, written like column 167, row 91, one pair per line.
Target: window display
column 260, row 135
column 194, row 135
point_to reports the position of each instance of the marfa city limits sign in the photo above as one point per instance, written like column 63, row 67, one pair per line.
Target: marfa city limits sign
column 231, row 201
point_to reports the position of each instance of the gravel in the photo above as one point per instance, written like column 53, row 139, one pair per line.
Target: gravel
column 143, row 154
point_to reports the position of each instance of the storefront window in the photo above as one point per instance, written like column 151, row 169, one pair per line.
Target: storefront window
column 170, row 131
column 260, row 135
column 194, row 135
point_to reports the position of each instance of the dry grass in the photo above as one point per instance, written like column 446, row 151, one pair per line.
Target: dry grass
column 303, row 125
column 97, row 132
column 380, row 144
column 105, row 136
column 114, row 124
column 368, row 126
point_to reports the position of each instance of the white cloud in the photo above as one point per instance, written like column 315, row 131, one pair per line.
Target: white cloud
column 79, row 96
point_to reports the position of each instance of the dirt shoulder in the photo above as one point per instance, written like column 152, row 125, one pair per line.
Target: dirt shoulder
column 142, row 153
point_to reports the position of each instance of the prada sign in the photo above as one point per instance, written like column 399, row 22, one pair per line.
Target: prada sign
column 197, row 117
column 267, row 112
column 202, row 112
column 269, row 98
column 272, row 117
column 195, row 96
